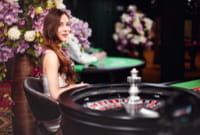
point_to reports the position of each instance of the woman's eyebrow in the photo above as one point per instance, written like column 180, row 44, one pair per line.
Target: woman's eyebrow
column 61, row 22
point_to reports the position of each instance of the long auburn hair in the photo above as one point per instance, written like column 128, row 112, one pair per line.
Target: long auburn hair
column 51, row 41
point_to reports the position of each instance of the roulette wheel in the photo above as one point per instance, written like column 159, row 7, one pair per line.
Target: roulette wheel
column 101, row 109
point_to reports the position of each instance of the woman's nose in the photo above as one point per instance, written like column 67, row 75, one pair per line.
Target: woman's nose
column 66, row 28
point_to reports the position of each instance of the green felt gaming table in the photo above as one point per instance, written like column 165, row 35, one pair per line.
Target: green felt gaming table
column 109, row 63
column 108, row 70
column 191, row 84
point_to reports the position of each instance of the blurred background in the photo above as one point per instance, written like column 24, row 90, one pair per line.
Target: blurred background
column 174, row 54
column 176, row 29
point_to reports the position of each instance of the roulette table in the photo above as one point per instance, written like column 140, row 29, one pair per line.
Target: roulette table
column 100, row 109
column 108, row 70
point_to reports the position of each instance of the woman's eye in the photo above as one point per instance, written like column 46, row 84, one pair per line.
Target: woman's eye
column 64, row 24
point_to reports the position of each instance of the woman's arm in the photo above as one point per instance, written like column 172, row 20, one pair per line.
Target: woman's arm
column 50, row 69
column 72, row 87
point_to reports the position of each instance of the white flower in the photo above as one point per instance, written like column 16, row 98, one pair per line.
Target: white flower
column 142, row 39
column 118, row 27
column 126, row 31
column 30, row 35
column 115, row 37
column 139, row 15
column 130, row 35
column 139, row 39
column 126, row 18
column 59, row 4
column 132, row 8
column 14, row 33
column 134, row 41
column 148, row 23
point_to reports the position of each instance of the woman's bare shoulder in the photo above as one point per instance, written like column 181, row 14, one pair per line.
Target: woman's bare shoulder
column 50, row 56
column 50, row 61
column 49, row 53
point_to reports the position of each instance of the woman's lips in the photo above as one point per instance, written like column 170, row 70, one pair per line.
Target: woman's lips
column 64, row 35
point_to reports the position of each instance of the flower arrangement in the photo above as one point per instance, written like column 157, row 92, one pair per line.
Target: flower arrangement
column 9, row 11
column 133, row 31
column 21, row 30
column 80, row 32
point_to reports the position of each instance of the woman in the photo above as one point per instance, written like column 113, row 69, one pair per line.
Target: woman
column 58, row 72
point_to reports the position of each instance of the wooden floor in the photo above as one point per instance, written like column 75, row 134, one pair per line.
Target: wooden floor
column 23, row 121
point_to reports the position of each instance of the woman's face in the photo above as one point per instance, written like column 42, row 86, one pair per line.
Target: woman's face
column 63, row 28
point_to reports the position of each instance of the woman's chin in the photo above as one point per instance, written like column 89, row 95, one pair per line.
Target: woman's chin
column 63, row 39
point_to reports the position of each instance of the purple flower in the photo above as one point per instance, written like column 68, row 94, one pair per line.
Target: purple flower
column 120, row 47
column 5, row 53
column 21, row 22
column 31, row 12
column 124, row 41
column 22, row 47
column 81, row 31
column 9, row 12
column 38, row 49
column 66, row 51
column 2, row 37
column 38, row 20
column 37, row 25
column 9, row 19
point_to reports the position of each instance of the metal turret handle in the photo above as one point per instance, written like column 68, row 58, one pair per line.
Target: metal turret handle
column 134, row 103
column 134, row 106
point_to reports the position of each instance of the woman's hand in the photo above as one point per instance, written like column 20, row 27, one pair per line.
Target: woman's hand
column 100, row 55
column 77, row 86
column 72, row 87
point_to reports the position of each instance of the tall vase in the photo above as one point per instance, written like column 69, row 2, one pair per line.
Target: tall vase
column 22, row 67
